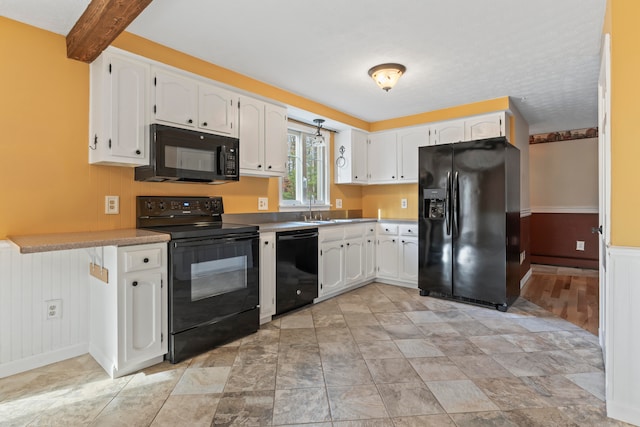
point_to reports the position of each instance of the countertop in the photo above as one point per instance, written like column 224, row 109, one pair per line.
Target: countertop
column 86, row 239
column 301, row 225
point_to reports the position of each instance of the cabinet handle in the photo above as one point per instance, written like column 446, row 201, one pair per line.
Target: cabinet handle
column 189, row 121
column 356, row 176
column 138, row 152
column 348, row 244
column 134, row 283
column 146, row 260
column 402, row 241
column 393, row 240
column 409, row 230
column 368, row 241
column 266, row 243
column 204, row 124
column 259, row 166
column 401, row 176
column 342, row 246
column 269, row 167
column 386, row 229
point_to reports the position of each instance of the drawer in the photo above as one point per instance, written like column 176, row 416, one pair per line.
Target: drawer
column 370, row 229
column 409, row 230
column 355, row 230
column 143, row 259
column 331, row 234
column 389, row 229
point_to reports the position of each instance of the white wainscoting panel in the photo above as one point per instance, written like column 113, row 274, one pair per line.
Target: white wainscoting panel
column 27, row 338
column 622, row 368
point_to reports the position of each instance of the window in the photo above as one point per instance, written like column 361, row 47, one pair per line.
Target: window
column 306, row 177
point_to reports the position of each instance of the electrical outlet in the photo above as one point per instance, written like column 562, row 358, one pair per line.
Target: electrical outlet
column 53, row 309
column 111, row 205
column 263, row 203
column 339, row 203
column 579, row 245
column 403, row 203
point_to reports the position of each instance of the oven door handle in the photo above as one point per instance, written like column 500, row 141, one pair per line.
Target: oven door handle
column 298, row 236
column 209, row 241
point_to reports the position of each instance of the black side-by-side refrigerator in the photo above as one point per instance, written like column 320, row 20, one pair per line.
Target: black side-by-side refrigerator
column 469, row 222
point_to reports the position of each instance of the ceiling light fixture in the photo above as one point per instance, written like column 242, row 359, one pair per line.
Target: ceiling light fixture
column 387, row 75
column 318, row 139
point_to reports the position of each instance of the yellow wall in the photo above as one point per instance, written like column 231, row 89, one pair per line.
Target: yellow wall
column 385, row 200
column 47, row 184
column 625, row 109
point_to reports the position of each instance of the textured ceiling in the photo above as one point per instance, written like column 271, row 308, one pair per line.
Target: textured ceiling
column 456, row 51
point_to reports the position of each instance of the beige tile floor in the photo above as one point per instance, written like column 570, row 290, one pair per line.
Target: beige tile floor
column 378, row 356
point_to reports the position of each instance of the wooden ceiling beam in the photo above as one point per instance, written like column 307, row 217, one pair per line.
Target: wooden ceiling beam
column 99, row 25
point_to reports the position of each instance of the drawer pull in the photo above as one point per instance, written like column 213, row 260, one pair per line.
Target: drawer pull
column 135, row 283
column 146, row 260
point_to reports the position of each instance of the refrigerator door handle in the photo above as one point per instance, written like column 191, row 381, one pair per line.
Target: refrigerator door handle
column 447, row 205
column 454, row 216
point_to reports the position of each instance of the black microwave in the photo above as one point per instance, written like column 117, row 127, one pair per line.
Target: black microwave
column 181, row 155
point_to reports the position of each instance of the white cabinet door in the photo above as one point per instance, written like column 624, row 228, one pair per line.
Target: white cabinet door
column 267, row 275
column 482, row 127
column 176, row 99
column 381, row 158
column 370, row 257
column 332, row 267
column 408, row 270
column 408, row 142
column 217, row 110
column 119, row 105
column 354, row 260
column 350, row 154
column 447, row 132
column 387, row 257
column 275, row 139
column 141, row 327
column 251, row 133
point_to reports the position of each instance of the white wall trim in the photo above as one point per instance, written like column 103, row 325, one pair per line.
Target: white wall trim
column 526, row 277
column 525, row 212
column 622, row 371
column 42, row 359
column 565, row 209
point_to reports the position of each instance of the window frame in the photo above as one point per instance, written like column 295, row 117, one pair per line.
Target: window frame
column 303, row 205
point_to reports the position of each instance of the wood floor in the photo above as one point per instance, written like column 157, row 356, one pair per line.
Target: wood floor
column 569, row 293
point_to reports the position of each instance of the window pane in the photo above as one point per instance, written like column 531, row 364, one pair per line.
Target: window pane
column 289, row 181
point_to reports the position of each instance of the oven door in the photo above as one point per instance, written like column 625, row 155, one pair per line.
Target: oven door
column 211, row 279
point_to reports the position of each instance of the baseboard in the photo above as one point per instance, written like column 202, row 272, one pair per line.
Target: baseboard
column 565, row 262
column 43, row 359
column 626, row 413
column 396, row 283
column 526, row 277
column 342, row 291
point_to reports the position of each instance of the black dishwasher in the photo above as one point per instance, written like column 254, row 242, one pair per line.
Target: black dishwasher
column 296, row 269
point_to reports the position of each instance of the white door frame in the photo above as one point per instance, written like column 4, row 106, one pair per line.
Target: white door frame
column 604, row 180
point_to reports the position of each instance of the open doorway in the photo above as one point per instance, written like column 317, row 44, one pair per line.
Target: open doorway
column 564, row 222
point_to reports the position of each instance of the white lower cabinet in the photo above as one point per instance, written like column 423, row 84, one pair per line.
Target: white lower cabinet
column 342, row 258
column 128, row 321
column 397, row 253
column 267, row 276
column 370, row 251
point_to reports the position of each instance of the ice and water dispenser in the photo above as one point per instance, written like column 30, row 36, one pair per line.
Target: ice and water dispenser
column 435, row 200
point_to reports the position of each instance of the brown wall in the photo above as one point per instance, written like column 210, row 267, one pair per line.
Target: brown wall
column 554, row 236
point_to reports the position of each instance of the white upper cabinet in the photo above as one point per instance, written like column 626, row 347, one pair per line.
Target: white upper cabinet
column 381, row 158
column 188, row 103
column 350, row 157
column 447, row 132
column 470, row 128
column 263, row 138
column 119, row 134
column 486, row 126
column 408, row 141
column 176, row 99
column 217, row 110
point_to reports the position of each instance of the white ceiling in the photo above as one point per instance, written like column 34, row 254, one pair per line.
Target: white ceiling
column 543, row 53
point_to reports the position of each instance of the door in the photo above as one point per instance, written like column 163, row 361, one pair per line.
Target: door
column 434, row 219
column 251, row 133
column 479, row 220
column 381, row 157
column 142, row 320
column 387, row 254
column 408, row 143
column 176, row 99
column 448, row 132
column 267, row 275
column 354, row 257
column 216, row 110
column 212, row 279
column 604, row 174
column 275, row 138
column 332, row 262
column 408, row 259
